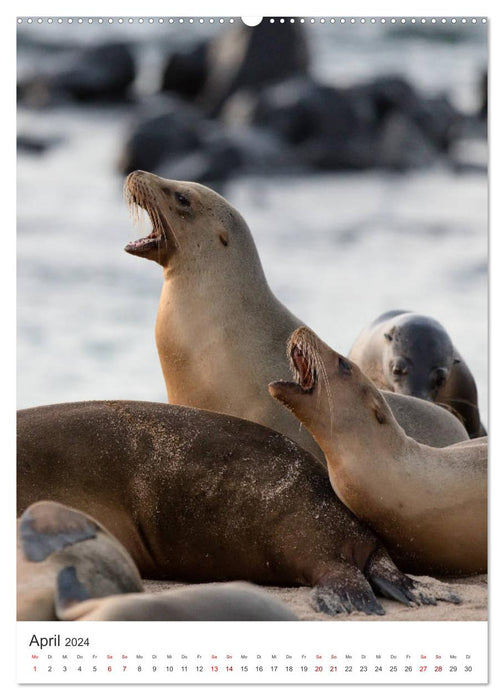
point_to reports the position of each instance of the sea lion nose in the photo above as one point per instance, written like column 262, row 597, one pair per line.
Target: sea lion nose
column 420, row 392
column 137, row 173
column 145, row 175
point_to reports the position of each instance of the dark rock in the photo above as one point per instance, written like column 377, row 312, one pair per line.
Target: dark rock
column 214, row 165
column 384, row 123
column 239, row 58
column 434, row 116
column 224, row 153
column 177, row 142
column 269, row 52
column 261, row 152
column 173, row 131
column 329, row 127
column 98, row 73
column 483, row 91
column 34, row 144
column 185, row 72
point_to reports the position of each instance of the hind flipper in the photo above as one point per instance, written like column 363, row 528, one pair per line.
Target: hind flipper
column 386, row 578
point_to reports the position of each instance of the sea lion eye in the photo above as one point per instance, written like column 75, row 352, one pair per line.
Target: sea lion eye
column 344, row 367
column 181, row 199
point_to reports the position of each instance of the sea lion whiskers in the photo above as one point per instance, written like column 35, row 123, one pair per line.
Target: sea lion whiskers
column 327, row 387
column 141, row 196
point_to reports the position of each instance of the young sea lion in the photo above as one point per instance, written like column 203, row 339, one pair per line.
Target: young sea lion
column 429, row 505
column 198, row 496
column 414, row 355
column 51, row 537
column 219, row 326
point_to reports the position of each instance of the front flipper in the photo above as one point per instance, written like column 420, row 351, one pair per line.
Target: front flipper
column 343, row 589
column 386, row 579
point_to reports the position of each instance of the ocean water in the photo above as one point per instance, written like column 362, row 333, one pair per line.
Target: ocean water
column 338, row 249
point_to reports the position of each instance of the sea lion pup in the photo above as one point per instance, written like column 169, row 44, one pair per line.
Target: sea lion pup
column 197, row 496
column 429, row 505
column 52, row 537
column 219, row 326
column 414, row 355
column 212, row 601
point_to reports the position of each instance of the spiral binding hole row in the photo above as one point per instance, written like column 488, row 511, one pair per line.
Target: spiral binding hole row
column 232, row 20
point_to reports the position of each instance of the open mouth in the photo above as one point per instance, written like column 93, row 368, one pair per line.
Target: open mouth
column 144, row 244
column 139, row 196
column 304, row 360
column 303, row 369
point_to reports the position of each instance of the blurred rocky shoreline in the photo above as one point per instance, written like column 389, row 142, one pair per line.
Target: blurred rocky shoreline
column 246, row 101
column 358, row 162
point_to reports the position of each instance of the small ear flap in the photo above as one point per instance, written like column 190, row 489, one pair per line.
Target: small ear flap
column 390, row 334
column 457, row 360
column 224, row 237
column 344, row 366
column 379, row 416
column 379, row 410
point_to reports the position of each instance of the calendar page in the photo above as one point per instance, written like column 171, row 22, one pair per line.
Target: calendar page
column 252, row 382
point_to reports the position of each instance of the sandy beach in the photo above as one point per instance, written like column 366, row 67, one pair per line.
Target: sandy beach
column 472, row 591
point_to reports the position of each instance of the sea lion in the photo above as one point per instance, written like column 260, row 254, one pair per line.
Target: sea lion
column 219, row 326
column 70, row 567
column 213, row 601
column 51, row 537
column 414, row 355
column 198, row 496
column 429, row 505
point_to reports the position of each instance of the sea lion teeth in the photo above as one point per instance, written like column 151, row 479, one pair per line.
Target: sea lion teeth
column 139, row 193
column 302, row 369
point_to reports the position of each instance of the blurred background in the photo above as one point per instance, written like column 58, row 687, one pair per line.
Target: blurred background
column 356, row 153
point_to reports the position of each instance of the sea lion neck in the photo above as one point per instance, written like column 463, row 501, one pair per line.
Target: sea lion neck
column 211, row 329
column 379, row 465
column 199, row 287
column 382, row 443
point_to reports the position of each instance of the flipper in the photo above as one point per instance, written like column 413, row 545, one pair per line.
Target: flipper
column 386, row 579
column 69, row 590
column 48, row 527
column 344, row 589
